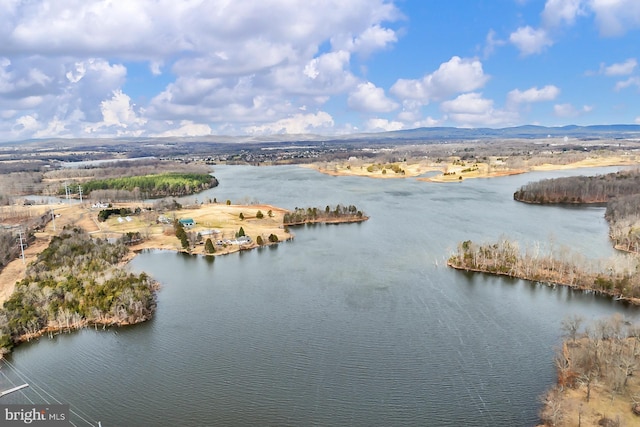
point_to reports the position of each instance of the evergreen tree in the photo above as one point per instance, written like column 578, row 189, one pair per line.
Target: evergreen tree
column 208, row 247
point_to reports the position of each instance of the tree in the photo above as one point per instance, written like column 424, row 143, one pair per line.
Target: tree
column 240, row 232
column 181, row 235
column 259, row 214
column 241, row 216
column 208, row 247
column 228, row 202
column 259, row 241
column 270, row 213
column 571, row 325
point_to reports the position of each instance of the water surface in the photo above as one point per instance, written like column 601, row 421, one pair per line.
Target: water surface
column 353, row 324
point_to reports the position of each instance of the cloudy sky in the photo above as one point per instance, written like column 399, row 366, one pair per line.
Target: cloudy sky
column 98, row 68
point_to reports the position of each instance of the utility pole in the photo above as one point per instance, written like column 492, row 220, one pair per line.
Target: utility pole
column 21, row 246
column 66, row 191
column 80, row 192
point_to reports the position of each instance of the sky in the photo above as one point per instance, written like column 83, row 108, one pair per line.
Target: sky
column 166, row 68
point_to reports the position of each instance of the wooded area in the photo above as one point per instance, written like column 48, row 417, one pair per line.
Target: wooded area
column 581, row 189
column 596, row 368
column 620, row 191
column 75, row 282
column 153, row 186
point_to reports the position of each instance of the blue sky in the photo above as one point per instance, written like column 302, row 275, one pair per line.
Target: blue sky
column 111, row 68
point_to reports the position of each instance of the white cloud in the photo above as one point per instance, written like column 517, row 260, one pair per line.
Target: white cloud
column 118, row 113
column 25, row 125
column 547, row 93
column 55, row 128
column 471, row 109
column 620, row 69
column 491, row 43
column 234, row 63
column 452, row 77
column 382, row 125
column 427, row 122
column 372, row 39
column 369, row 98
column 530, row 41
column 631, row 81
column 616, row 17
column 187, row 128
column 568, row 111
column 297, row 124
column 637, row 120
column 559, row 12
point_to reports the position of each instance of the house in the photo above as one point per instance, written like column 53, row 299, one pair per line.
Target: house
column 187, row 222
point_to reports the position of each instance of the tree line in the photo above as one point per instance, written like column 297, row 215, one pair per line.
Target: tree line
column 75, row 282
column 581, row 189
column 338, row 214
column 506, row 258
column 153, row 186
column 620, row 191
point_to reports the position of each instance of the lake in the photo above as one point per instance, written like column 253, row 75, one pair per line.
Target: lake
column 351, row 324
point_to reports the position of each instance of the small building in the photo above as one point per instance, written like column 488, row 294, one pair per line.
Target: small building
column 187, row 222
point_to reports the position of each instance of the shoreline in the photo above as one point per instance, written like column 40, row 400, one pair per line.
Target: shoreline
column 456, row 171
column 601, row 292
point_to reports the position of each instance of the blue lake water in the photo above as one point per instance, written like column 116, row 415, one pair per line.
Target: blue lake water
column 353, row 324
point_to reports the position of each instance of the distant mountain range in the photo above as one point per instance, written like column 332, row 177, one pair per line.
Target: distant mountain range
column 425, row 134
column 526, row 132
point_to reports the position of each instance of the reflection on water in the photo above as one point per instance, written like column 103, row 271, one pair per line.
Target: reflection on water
column 349, row 324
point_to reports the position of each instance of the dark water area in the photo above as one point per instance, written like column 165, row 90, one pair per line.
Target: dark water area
column 352, row 324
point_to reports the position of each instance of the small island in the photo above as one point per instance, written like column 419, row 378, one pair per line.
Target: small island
column 328, row 215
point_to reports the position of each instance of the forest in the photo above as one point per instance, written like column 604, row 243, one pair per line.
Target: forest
column 620, row 191
column 153, row 186
column 580, row 189
column 73, row 283
column 309, row 215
